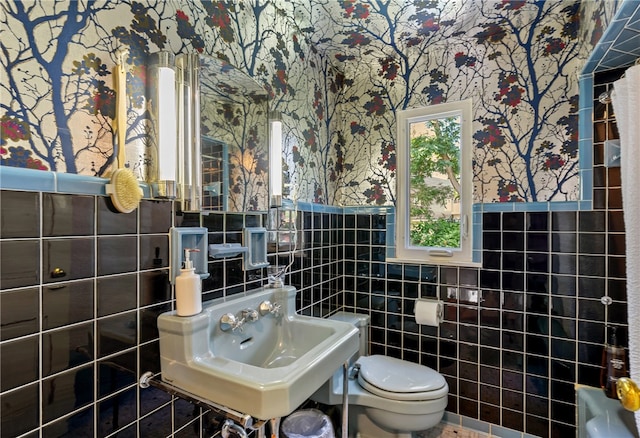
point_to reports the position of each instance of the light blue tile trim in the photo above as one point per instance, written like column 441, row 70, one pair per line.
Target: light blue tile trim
column 471, row 423
column 603, row 54
column 503, row 432
column 323, row 208
column 534, row 206
column 586, row 184
column 71, row 183
column 477, row 233
column 391, row 252
column 391, row 234
column 585, row 142
column 17, row 178
column 591, row 65
column 586, row 153
column 586, row 205
column 586, row 89
column 627, row 9
column 564, row 206
column 288, row 204
column 366, row 209
column 616, row 59
column 635, row 20
column 303, row 206
column 498, row 206
column 391, row 217
column 529, row 206
column 451, row 418
column 477, row 220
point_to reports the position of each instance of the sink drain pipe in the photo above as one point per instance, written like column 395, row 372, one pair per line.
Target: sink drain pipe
column 229, row 426
column 345, row 400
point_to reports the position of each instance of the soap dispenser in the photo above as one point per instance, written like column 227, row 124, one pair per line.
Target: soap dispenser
column 188, row 288
column 614, row 365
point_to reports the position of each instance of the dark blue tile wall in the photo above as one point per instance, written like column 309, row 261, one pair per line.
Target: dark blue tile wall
column 81, row 287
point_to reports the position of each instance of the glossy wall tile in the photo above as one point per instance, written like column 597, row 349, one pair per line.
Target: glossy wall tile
column 518, row 332
column 19, row 214
column 71, row 324
column 516, row 323
column 19, row 312
column 67, row 215
column 67, row 303
column 20, row 263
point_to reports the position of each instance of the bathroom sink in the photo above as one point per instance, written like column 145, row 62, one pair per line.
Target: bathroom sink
column 602, row 417
column 265, row 368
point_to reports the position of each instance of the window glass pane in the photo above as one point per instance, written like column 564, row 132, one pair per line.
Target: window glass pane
column 434, row 194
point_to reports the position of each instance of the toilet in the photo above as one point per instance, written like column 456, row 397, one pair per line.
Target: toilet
column 388, row 397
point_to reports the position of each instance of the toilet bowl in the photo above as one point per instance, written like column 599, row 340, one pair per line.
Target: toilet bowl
column 388, row 397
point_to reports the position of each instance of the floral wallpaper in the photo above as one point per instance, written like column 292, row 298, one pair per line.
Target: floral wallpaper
column 337, row 71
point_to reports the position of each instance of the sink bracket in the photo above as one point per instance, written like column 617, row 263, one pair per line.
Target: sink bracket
column 243, row 420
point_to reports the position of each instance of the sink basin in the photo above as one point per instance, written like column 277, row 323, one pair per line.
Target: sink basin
column 266, row 368
column 602, row 417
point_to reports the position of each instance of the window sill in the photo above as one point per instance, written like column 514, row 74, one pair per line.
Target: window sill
column 440, row 261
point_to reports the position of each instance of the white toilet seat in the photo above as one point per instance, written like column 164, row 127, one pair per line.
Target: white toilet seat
column 395, row 379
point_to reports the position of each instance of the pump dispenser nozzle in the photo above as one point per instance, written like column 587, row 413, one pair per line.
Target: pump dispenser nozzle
column 188, row 263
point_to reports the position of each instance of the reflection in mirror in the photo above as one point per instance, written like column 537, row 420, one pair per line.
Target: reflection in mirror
column 215, row 174
column 234, row 132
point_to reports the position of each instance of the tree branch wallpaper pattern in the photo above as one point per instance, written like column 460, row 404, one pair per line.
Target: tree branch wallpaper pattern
column 337, row 71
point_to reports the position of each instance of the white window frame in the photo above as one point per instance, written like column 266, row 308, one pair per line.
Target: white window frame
column 404, row 251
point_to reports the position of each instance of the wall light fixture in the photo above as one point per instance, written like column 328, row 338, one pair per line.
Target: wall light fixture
column 162, row 157
column 275, row 160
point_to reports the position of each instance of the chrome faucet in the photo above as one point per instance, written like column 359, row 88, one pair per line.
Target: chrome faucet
column 267, row 307
column 229, row 321
column 249, row 315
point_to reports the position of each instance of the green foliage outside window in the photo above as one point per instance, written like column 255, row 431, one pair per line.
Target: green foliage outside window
column 436, row 152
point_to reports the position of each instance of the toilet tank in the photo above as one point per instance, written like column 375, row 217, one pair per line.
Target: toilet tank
column 362, row 322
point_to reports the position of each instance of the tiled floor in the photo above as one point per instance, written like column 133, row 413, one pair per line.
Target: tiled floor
column 449, row 431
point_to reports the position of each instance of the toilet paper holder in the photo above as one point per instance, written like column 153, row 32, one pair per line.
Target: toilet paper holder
column 429, row 311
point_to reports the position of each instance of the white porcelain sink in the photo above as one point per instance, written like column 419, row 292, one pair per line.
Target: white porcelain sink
column 265, row 369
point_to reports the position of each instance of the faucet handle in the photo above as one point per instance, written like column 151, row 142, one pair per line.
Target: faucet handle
column 250, row 315
column 228, row 321
column 267, row 307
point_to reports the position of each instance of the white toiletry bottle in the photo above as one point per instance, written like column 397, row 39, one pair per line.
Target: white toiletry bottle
column 188, row 288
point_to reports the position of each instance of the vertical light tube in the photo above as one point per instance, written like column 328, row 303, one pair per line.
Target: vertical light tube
column 168, row 124
column 189, row 146
column 164, row 138
column 275, row 163
column 196, row 141
column 184, row 113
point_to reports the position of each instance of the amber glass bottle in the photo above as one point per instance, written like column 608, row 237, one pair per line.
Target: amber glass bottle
column 614, row 365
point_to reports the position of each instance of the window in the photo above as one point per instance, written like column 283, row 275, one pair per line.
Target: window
column 435, row 184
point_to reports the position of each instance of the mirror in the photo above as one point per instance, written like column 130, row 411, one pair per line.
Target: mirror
column 234, row 131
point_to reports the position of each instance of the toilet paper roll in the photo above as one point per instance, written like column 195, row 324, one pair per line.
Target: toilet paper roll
column 429, row 312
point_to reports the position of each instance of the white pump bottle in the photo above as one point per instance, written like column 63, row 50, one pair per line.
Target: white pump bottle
column 188, row 288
